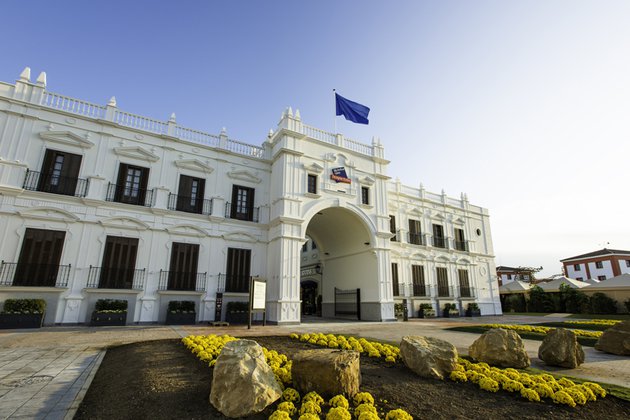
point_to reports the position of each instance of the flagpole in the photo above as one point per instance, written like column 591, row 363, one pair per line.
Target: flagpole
column 335, row 112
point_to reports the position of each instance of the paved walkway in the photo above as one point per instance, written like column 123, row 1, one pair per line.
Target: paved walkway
column 45, row 373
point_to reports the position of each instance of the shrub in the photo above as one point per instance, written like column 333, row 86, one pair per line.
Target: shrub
column 24, row 306
column 539, row 301
column 575, row 301
column 426, row 306
column 627, row 305
column 473, row 306
column 181, row 306
column 117, row 305
column 237, row 306
column 602, row 304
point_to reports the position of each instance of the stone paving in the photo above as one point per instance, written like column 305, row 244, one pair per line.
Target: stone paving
column 45, row 373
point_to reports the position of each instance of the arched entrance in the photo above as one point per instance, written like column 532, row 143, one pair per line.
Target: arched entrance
column 347, row 262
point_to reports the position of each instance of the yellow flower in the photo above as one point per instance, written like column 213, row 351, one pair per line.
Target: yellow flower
column 458, row 376
column 576, row 394
column 280, row 415
column 339, row 401
column 489, row 384
column 364, row 408
column 288, row 407
column 543, row 390
column 310, row 407
column 338, row 413
column 291, row 395
column 313, row 397
column 562, row 397
column 530, row 394
column 398, row 414
column 363, row 398
column 566, row 383
column 596, row 388
column 368, row 416
column 309, row 416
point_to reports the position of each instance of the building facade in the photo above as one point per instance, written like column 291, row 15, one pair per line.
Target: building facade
column 100, row 203
column 598, row 265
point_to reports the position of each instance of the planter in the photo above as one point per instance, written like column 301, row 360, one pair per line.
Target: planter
column 12, row 321
column 426, row 313
column 476, row 312
column 451, row 313
column 180, row 318
column 103, row 319
column 236, row 317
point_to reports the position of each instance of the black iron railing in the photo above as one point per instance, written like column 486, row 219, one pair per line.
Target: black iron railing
column 421, row 290
column 461, row 245
column 251, row 215
column 116, row 278
column 232, row 283
column 130, row 195
column 467, row 292
column 55, row 184
column 38, row 275
column 397, row 287
column 189, row 204
column 439, row 242
column 444, row 290
column 416, row 239
column 182, row 280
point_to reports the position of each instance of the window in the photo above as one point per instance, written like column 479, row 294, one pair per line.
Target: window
column 395, row 285
column 38, row 263
column 579, row 278
column 182, row 273
column 438, row 236
column 131, row 187
column 577, row 267
column 442, row 279
column 600, row 278
column 460, row 241
column 415, row 232
column 627, row 263
column 509, row 277
column 238, row 270
column 599, row 264
column 464, row 284
column 242, row 206
column 305, row 247
column 365, row 195
column 59, row 173
column 312, row 184
column 313, row 245
column 190, row 195
column 417, row 276
column 392, row 227
column 119, row 263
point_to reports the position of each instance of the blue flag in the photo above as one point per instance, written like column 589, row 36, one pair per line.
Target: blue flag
column 352, row 111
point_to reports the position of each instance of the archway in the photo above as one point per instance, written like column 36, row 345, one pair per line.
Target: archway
column 347, row 261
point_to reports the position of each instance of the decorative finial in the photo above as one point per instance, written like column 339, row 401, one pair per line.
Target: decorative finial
column 41, row 79
column 290, row 112
column 25, row 76
column 297, row 114
column 270, row 133
column 224, row 131
column 112, row 101
column 421, row 186
column 173, row 118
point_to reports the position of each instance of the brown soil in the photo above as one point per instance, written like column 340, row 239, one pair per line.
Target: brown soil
column 163, row 380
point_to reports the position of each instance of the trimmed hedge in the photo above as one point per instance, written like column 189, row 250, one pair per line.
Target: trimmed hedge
column 24, row 306
column 111, row 305
column 181, row 306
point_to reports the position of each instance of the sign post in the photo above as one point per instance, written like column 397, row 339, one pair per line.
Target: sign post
column 257, row 299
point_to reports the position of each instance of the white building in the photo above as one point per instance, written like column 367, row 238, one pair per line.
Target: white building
column 598, row 265
column 100, row 203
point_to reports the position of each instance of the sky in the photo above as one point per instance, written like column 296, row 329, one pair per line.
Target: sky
column 522, row 105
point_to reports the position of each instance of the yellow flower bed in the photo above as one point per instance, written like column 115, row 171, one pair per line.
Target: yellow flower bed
column 388, row 352
column 541, row 330
column 609, row 322
column 208, row 347
column 531, row 387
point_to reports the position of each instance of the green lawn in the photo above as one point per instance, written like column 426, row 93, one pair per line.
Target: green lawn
column 590, row 327
column 623, row 317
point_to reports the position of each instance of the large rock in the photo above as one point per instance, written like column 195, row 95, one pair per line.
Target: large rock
column 616, row 339
column 428, row 357
column 329, row 372
column 243, row 383
column 561, row 348
column 499, row 347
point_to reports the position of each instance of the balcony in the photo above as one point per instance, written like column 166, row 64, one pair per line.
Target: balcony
column 35, row 275
column 467, row 292
column 416, row 239
column 116, row 278
column 444, row 290
column 397, row 287
column 251, row 215
column 440, row 242
column 421, row 290
column 189, row 204
column 55, row 184
column 130, row 195
column 182, row 280
column 234, row 284
column 461, row 245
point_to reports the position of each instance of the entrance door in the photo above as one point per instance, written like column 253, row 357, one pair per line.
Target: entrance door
column 38, row 263
column 119, row 263
column 309, row 297
column 183, row 268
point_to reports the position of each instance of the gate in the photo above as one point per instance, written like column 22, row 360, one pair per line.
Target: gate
column 348, row 302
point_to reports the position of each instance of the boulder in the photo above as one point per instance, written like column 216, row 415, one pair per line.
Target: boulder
column 561, row 348
column 243, row 383
column 329, row 372
column 428, row 357
column 499, row 347
column 616, row 339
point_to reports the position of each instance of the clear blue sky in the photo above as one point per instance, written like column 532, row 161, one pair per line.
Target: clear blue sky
column 525, row 106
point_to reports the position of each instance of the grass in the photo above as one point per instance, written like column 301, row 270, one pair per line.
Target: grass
column 585, row 341
column 590, row 327
column 622, row 317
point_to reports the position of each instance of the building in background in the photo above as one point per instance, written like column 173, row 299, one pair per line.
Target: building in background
column 100, row 203
column 599, row 265
column 506, row 274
